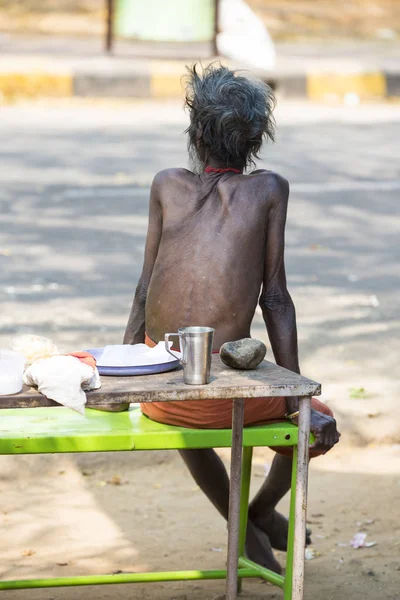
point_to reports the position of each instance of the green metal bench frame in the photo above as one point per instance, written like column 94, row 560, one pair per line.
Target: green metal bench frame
column 59, row 430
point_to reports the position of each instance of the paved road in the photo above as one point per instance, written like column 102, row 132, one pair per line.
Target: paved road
column 74, row 192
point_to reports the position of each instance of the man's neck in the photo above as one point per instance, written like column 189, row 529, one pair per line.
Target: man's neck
column 228, row 169
column 220, row 165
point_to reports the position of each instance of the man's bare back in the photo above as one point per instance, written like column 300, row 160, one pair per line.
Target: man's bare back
column 212, row 249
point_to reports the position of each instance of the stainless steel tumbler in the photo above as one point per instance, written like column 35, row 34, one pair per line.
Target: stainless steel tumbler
column 196, row 345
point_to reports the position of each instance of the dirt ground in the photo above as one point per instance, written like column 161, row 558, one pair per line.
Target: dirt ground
column 65, row 515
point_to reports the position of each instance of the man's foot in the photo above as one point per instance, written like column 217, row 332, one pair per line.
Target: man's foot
column 276, row 527
column 258, row 549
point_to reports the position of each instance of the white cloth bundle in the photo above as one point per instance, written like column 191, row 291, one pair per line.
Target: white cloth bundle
column 63, row 379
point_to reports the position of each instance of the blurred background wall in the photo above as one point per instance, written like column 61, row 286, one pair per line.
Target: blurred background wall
column 285, row 19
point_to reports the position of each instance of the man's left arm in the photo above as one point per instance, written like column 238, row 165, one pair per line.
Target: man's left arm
column 275, row 301
column 279, row 312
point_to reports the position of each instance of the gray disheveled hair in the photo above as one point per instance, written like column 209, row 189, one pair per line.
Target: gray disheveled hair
column 230, row 115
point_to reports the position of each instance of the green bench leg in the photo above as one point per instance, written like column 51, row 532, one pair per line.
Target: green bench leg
column 244, row 502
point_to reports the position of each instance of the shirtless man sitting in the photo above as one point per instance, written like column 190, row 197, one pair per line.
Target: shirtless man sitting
column 214, row 249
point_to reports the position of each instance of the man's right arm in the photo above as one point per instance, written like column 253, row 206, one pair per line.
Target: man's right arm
column 135, row 329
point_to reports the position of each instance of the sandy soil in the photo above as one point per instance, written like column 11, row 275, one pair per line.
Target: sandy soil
column 63, row 515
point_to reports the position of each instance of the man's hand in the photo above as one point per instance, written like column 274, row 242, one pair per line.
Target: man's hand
column 324, row 429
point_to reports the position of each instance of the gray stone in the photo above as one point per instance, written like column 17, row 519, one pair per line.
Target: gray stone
column 243, row 354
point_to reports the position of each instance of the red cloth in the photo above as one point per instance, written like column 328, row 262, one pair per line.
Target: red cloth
column 84, row 357
column 217, row 414
column 212, row 170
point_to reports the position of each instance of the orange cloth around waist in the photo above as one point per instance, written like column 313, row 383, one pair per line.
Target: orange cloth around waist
column 217, row 414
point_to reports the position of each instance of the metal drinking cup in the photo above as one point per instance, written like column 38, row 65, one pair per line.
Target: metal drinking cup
column 196, row 345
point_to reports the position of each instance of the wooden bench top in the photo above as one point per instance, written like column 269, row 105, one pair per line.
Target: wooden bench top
column 265, row 381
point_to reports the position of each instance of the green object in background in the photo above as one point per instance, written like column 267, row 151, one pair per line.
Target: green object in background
column 160, row 21
column 358, row 392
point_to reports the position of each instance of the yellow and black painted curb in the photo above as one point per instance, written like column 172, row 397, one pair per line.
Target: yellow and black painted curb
column 165, row 79
column 35, row 84
column 160, row 79
column 350, row 88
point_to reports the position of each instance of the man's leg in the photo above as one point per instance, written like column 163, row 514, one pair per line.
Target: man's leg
column 208, row 471
column 262, row 508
